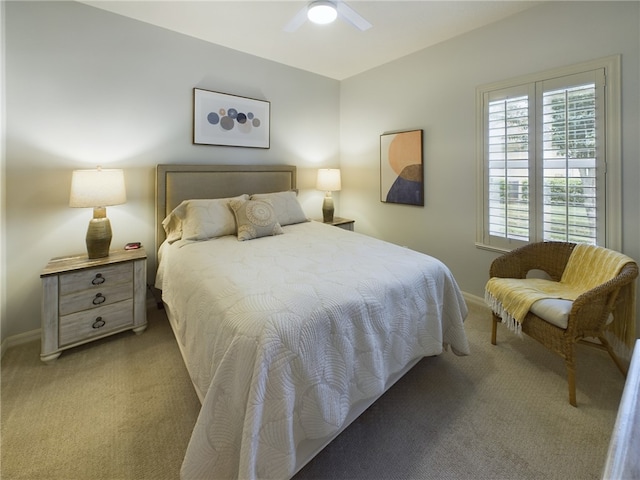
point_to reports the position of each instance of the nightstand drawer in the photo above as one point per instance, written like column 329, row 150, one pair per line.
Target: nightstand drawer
column 96, row 278
column 98, row 297
column 98, row 321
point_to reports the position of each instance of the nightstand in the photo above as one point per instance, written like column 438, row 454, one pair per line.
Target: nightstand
column 344, row 223
column 86, row 299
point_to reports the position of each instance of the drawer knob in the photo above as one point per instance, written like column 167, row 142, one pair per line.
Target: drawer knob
column 99, row 298
column 98, row 323
column 98, row 279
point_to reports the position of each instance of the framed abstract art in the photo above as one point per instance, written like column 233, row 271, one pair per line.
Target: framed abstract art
column 223, row 119
column 401, row 168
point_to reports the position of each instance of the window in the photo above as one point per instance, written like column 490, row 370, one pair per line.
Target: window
column 548, row 158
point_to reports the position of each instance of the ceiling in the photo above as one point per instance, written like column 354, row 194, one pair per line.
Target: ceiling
column 337, row 50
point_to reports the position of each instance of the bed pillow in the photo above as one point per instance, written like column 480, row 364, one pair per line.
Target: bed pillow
column 286, row 206
column 206, row 219
column 201, row 219
column 255, row 219
column 172, row 224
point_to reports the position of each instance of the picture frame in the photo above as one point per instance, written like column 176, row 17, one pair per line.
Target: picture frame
column 230, row 120
column 401, row 168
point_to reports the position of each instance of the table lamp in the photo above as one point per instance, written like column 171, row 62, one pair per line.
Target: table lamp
column 98, row 189
column 328, row 181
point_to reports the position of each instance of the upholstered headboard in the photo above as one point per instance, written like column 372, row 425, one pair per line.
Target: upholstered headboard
column 175, row 183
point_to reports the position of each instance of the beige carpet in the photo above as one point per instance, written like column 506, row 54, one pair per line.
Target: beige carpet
column 123, row 408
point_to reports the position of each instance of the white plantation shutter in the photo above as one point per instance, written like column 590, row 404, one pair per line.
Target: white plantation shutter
column 542, row 162
column 508, row 117
column 573, row 158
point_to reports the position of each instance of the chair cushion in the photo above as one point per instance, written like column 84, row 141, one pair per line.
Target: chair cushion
column 553, row 310
column 556, row 311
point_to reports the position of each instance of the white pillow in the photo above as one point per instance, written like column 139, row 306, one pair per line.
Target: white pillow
column 201, row 219
column 286, row 206
column 255, row 219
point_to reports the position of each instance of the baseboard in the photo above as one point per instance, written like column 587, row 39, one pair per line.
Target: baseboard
column 474, row 299
column 19, row 339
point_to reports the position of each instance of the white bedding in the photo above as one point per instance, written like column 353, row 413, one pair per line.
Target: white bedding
column 282, row 335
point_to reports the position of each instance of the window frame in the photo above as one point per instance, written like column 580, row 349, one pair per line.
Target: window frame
column 612, row 150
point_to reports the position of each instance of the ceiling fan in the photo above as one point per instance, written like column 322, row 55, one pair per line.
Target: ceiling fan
column 322, row 12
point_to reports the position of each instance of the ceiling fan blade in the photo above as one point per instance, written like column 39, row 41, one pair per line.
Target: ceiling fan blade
column 353, row 17
column 297, row 21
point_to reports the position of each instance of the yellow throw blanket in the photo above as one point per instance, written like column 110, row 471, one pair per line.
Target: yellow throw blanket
column 511, row 298
column 588, row 267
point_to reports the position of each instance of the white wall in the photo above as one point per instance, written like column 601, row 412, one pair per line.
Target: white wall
column 434, row 90
column 87, row 87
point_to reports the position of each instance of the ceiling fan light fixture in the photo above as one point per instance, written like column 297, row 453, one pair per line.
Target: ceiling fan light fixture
column 322, row 12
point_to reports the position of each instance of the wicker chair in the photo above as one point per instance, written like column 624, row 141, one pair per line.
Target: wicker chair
column 589, row 312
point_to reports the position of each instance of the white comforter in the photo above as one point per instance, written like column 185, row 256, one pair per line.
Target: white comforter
column 282, row 335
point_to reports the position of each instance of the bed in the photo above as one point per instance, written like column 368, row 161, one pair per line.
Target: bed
column 291, row 333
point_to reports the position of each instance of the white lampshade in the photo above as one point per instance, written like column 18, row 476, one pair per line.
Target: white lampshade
column 329, row 179
column 97, row 188
column 322, row 12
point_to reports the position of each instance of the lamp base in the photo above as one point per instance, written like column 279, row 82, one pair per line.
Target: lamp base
column 99, row 234
column 327, row 208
